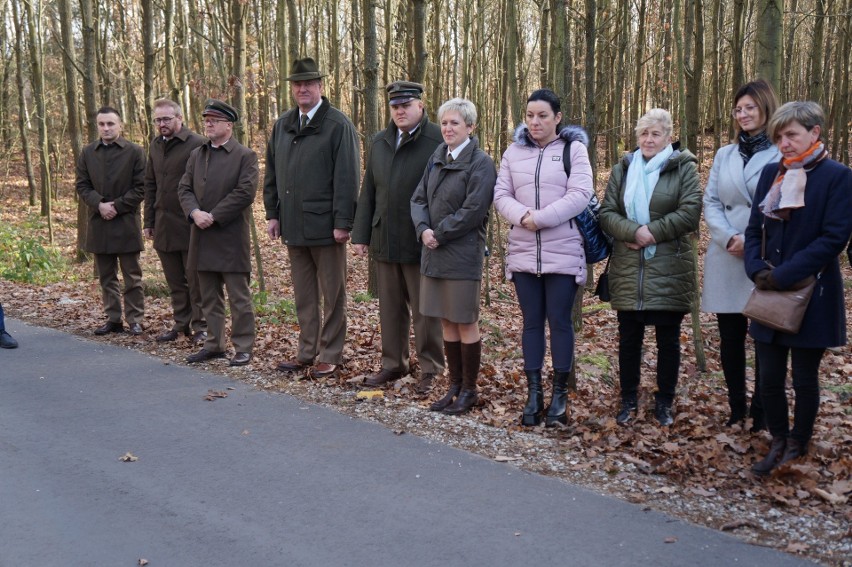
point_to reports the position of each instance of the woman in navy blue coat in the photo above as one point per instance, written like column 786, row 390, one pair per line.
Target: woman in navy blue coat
column 803, row 204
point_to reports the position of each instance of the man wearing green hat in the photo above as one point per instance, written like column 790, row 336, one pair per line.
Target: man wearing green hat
column 383, row 222
column 216, row 194
column 311, row 185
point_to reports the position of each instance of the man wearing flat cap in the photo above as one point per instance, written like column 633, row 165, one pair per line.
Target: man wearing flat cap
column 310, row 189
column 216, row 193
column 383, row 221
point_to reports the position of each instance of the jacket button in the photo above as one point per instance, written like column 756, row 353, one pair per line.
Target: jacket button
column 748, row 205
column 728, row 207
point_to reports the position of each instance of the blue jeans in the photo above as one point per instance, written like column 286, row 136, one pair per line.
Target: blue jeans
column 548, row 297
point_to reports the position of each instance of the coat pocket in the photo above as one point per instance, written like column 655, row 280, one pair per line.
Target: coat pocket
column 318, row 220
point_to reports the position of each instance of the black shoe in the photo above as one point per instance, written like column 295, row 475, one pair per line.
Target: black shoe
column 793, row 451
column 770, row 461
column 203, row 355
column 240, row 359
column 627, row 413
column 198, row 337
column 424, row 385
column 556, row 413
column 135, row 329
column 109, row 327
column 663, row 413
column 6, row 340
column 168, row 336
column 534, row 408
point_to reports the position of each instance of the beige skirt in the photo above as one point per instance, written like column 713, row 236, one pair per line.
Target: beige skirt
column 456, row 301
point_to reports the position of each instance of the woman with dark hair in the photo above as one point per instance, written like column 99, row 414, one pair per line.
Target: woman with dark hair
column 545, row 258
column 799, row 225
column 450, row 210
column 727, row 207
column 651, row 207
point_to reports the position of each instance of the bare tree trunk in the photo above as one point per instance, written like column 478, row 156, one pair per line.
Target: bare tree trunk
column 148, row 56
column 169, row 55
column 815, row 90
column 770, row 23
column 716, row 96
column 421, row 54
column 694, row 70
column 636, row 107
column 72, row 95
column 90, row 62
column 22, row 102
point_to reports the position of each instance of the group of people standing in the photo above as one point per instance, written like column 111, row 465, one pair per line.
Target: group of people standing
column 776, row 205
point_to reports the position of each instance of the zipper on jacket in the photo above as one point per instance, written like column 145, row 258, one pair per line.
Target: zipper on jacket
column 641, row 280
column 537, row 206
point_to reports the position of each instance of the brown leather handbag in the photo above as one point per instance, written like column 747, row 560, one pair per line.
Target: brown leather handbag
column 780, row 310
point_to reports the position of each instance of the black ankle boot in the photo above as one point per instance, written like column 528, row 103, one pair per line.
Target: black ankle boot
column 559, row 401
column 534, row 410
column 794, row 450
column 663, row 412
column 454, row 369
column 769, row 462
column 738, row 409
column 627, row 413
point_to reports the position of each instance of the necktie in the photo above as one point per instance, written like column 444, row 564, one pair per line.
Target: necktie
column 304, row 122
column 404, row 138
column 450, row 158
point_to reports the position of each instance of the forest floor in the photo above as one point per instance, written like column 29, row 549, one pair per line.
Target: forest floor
column 697, row 469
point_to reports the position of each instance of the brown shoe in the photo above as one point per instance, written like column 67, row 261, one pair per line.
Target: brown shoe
column 292, row 365
column 240, row 359
column 323, row 369
column 169, row 336
column 424, row 385
column 382, row 377
column 204, row 355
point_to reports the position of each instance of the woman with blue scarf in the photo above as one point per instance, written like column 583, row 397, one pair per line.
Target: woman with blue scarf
column 651, row 207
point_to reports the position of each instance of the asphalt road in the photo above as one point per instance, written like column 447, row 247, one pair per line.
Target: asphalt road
column 260, row 479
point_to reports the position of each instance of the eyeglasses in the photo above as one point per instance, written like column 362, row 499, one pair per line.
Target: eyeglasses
column 163, row 120
column 744, row 110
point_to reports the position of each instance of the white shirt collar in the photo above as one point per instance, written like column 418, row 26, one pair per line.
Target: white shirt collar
column 311, row 112
column 455, row 153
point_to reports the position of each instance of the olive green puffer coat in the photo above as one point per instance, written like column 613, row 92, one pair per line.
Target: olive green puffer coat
column 666, row 282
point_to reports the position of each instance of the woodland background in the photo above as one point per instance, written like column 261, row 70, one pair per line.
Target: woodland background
column 610, row 61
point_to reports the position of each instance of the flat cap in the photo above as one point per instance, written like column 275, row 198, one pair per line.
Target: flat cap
column 221, row 110
column 304, row 70
column 400, row 92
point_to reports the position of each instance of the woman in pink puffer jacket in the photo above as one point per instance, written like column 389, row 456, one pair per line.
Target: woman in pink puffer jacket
column 545, row 257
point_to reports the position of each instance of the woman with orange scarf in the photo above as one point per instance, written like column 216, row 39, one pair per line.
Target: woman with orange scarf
column 802, row 209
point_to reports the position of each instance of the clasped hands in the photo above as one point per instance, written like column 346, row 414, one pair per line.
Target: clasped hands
column 642, row 239
column 107, row 210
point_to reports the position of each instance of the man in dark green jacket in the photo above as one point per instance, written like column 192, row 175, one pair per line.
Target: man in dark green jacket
column 383, row 221
column 313, row 169
column 111, row 181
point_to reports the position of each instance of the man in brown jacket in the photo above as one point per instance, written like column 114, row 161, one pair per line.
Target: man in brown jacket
column 165, row 221
column 111, row 181
column 216, row 194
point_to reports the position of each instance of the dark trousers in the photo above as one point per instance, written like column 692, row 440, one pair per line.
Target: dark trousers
column 773, row 379
column 2, row 320
column 184, row 290
column 631, row 335
column 548, row 297
column 733, row 328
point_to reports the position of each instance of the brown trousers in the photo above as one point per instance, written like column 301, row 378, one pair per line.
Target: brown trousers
column 242, row 310
column 134, row 298
column 399, row 299
column 184, row 291
column 319, row 270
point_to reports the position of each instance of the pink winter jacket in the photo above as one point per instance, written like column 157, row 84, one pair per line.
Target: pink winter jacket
column 533, row 179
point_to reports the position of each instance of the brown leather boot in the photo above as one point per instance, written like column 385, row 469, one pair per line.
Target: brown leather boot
column 769, row 462
column 471, row 357
column 452, row 349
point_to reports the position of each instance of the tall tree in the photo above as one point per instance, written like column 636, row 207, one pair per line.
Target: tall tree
column 22, row 100
column 769, row 32
column 90, row 69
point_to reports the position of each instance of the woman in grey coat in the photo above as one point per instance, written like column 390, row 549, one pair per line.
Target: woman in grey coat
column 727, row 206
column 450, row 210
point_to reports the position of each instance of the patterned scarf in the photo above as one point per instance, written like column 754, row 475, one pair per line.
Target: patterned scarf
column 750, row 145
column 639, row 187
column 788, row 189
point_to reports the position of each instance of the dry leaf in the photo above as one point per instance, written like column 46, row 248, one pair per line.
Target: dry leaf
column 369, row 394
column 831, row 497
column 213, row 394
column 738, row 524
column 505, row 459
column 670, row 539
column 143, row 562
column 128, row 457
column 797, row 547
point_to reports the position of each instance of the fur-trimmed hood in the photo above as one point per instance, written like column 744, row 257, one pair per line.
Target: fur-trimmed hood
column 569, row 133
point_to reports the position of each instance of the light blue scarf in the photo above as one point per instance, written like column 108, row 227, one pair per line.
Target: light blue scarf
column 642, row 178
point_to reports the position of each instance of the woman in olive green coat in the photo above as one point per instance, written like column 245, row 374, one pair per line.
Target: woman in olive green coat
column 652, row 204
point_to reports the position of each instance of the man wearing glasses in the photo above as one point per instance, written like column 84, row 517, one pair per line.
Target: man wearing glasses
column 165, row 221
column 216, row 194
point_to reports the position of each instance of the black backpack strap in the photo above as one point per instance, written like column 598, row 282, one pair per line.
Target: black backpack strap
column 566, row 158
